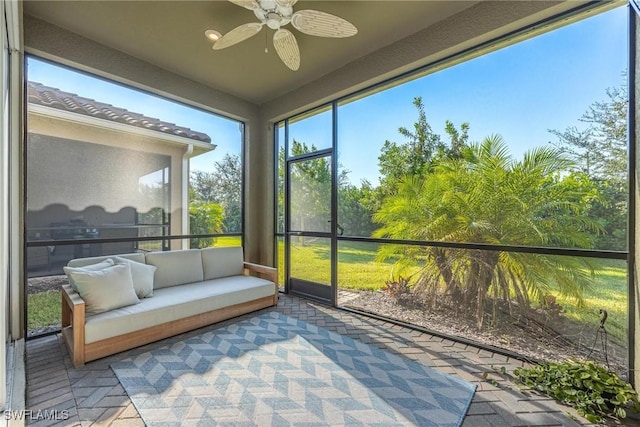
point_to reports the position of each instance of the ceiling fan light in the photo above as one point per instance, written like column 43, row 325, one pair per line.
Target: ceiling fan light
column 273, row 21
column 212, row 35
column 260, row 14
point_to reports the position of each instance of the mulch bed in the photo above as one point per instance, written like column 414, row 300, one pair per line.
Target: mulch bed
column 558, row 340
column 46, row 283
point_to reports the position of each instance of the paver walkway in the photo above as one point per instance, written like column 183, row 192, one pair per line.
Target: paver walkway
column 92, row 395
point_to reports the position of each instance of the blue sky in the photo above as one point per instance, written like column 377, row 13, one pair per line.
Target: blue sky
column 519, row 92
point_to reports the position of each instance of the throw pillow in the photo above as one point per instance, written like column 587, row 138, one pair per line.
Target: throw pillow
column 106, row 289
column 142, row 275
column 92, row 267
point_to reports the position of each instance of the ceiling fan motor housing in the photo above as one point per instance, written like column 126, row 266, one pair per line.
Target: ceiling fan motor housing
column 273, row 14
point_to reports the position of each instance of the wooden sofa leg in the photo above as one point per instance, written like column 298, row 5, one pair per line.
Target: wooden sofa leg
column 78, row 337
column 66, row 312
column 73, row 312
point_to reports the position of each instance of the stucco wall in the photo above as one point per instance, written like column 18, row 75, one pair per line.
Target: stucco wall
column 70, row 180
column 79, row 175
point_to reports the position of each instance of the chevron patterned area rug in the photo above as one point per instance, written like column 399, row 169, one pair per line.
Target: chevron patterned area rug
column 276, row 370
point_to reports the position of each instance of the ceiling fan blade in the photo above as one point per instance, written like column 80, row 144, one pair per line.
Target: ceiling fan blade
column 237, row 35
column 322, row 24
column 287, row 47
column 247, row 4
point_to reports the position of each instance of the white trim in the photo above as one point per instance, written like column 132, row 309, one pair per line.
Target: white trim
column 11, row 298
column 14, row 30
column 15, row 209
column 4, row 273
column 16, row 385
column 185, row 195
column 75, row 118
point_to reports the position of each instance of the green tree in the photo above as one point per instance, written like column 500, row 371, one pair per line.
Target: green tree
column 222, row 186
column 310, row 185
column 281, row 190
column 205, row 218
column 599, row 150
column 310, row 188
column 422, row 148
column 356, row 206
column 485, row 196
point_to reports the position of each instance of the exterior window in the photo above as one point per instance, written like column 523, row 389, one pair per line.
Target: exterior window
column 467, row 197
column 112, row 170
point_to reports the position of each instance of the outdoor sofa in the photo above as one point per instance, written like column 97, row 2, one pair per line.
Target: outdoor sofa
column 115, row 303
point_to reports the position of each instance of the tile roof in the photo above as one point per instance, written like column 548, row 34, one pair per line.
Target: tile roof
column 55, row 98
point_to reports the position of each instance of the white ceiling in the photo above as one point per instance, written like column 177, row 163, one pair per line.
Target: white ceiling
column 170, row 34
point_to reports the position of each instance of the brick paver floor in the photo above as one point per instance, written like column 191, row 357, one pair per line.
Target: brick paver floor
column 92, row 395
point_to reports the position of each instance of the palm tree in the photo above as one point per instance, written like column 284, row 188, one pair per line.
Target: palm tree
column 488, row 197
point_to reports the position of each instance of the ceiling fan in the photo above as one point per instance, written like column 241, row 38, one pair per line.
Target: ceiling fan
column 275, row 14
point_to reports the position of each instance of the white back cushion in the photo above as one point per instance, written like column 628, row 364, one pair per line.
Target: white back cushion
column 176, row 267
column 81, row 262
column 91, row 267
column 142, row 275
column 106, row 289
column 222, row 262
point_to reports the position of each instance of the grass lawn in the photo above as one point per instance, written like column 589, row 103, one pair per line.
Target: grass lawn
column 217, row 241
column 44, row 309
column 359, row 270
column 609, row 292
column 227, row 241
column 357, row 265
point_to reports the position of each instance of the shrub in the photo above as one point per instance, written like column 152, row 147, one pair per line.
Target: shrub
column 398, row 289
column 594, row 391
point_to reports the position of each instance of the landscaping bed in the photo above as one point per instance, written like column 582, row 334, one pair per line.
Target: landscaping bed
column 559, row 341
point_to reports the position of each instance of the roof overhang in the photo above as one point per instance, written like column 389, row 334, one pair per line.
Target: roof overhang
column 143, row 138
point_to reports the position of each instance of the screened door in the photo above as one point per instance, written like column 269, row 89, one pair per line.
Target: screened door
column 309, row 237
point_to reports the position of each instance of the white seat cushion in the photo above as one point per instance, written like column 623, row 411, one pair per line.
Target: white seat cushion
column 176, row 302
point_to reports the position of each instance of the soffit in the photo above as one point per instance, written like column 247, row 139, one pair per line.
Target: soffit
column 170, row 34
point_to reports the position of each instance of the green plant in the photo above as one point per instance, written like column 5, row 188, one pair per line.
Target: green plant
column 43, row 309
column 594, row 391
column 398, row 289
column 204, row 218
column 489, row 196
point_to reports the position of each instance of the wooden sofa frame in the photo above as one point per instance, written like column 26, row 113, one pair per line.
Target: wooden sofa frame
column 73, row 320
